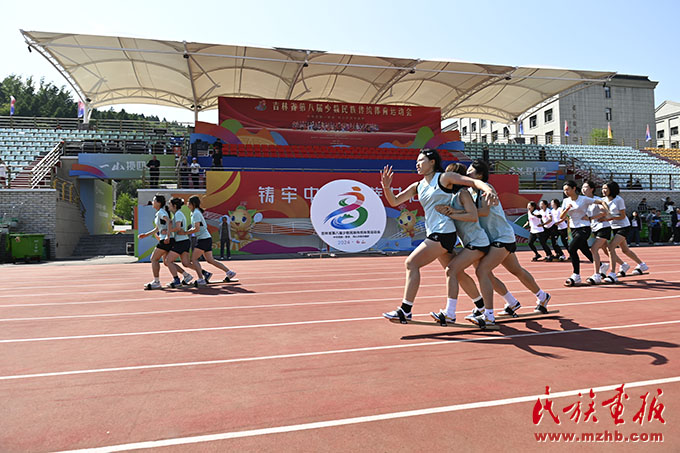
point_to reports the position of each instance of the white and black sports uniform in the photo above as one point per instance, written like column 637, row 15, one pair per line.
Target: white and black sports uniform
column 438, row 227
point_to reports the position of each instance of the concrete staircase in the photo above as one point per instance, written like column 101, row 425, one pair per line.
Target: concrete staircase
column 103, row 244
column 23, row 179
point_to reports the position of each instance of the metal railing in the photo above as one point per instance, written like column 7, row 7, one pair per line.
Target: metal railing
column 66, row 191
column 45, row 165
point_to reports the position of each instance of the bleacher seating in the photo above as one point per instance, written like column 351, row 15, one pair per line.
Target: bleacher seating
column 621, row 162
column 670, row 154
column 19, row 147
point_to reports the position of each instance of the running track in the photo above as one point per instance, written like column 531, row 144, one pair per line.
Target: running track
column 297, row 358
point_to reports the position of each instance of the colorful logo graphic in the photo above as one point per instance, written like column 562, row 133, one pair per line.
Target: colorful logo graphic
column 359, row 222
column 342, row 219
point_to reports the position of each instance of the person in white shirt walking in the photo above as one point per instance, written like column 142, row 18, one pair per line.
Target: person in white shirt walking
column 536, row 231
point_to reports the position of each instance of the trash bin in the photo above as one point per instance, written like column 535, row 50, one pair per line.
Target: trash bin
column 26, row 246
column 4, row 247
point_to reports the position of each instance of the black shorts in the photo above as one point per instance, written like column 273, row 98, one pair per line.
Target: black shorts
column 447, row 240
column 166, row 247
column 621, row 231
column 509, row 246
column 604, row 233
column 204, row 244
column 180, row 247
column 484, row 249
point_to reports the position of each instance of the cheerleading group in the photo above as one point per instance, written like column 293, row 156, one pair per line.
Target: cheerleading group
column 173, row 234
column 459, row 203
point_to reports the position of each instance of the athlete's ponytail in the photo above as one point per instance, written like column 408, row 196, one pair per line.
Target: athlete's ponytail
column 196, row 203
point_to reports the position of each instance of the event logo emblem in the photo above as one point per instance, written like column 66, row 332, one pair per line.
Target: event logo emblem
column 342, row 219
column 359, row 221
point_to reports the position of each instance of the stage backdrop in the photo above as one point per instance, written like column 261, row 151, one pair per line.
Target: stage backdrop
column 287, row 122
column 270, row 211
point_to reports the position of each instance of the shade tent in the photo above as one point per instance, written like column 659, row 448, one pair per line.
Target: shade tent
column 108, row 70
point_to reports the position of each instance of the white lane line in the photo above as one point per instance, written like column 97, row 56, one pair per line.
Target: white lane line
column 175, row 295
column 367, row 418
column 296, row 304
column 257, row 279
column 282, row 324
column 331, row 352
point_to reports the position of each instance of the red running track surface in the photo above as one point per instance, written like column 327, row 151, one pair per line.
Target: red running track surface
column 296, row 357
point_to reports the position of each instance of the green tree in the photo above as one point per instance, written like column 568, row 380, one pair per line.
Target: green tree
column 599, row 137
column 124, row 206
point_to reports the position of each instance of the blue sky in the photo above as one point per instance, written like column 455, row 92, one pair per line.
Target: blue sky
column 623, row 36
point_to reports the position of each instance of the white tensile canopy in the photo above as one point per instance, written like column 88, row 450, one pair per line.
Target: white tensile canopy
column 107, row 70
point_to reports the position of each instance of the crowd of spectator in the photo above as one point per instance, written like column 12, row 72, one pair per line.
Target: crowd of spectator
column 655, row 219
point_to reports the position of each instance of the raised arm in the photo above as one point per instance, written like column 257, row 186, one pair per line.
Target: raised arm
column 386, row 176
column 449, row 179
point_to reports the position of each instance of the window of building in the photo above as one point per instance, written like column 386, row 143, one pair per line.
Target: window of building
column 474, row 140
column 608, row 114
column 659, row 134
column 674, row 144
column 464, row 130
column 674, row 130
column 607, row 92
column 494, row 136
column 549, row 137
column 474, row 127
column 483, row 125
column 483, row 138
column 534, row 140
column 659, row 145
column 548, row 115
column 532, row 121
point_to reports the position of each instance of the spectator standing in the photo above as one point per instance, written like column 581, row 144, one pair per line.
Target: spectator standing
column 4, row 178
column 184, row 173
column 635, row 227
column 668, row 203
column 154, row 166
column 675, row 223
column 542, row 154
column 217, row 153
column 225, row 236
column 642, row 206
column 655, row 227
column 195, row 172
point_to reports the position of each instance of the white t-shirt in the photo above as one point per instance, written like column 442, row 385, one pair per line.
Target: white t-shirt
column 578, row 210
column 634, row 222
column 535, row 222
column 548, row 221
column 3, row 170
column 615, row 207
column 593, row 210
column 561, row 224
column 195, row 167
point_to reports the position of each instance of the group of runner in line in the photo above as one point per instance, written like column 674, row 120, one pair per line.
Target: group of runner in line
column 173, row 234
column 460, row 203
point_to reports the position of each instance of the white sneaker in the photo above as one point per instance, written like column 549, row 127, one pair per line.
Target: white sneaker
column 230, row 276
column 153, row 285
column 596, row 279
column 640, row 269
column 625, row 267
column 200, row 282
column 611, row 278
column 574, row 280
column 442, row 317
column 604, row 267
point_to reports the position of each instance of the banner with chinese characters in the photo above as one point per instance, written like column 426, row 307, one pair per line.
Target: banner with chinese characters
column 116, row 166
column 270, row 211
column 291, row 122
column 328, row 116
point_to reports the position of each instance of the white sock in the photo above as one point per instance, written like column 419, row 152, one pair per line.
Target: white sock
column 156, row 280
column 489, row 314
column 451, row 307
column 540, row 295
column 510, row 299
